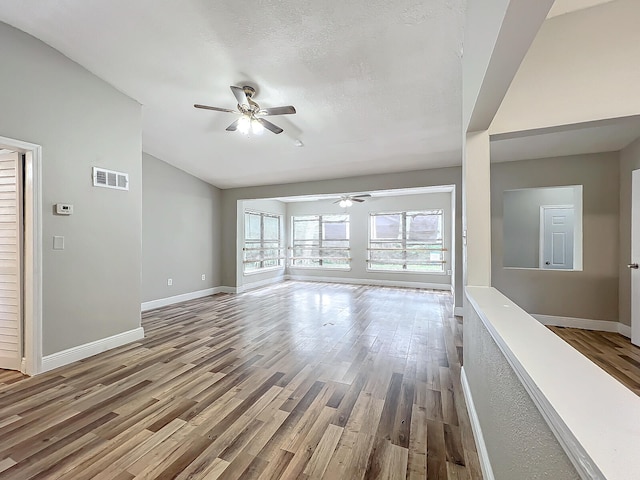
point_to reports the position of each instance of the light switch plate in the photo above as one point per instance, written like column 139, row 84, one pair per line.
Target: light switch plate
column 58, row 243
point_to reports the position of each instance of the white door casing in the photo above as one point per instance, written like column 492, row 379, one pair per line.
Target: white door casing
column 32, row 250
column 10, row 261
column 557, row 231
column 635, row 257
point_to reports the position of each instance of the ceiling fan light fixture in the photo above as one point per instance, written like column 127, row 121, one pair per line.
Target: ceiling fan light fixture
column 243, row 125
column 343, row 203
column 256, row 127
column 348, row 202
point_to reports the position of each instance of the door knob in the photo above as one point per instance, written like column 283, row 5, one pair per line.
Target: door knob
column 633, row 265
column 547, row 263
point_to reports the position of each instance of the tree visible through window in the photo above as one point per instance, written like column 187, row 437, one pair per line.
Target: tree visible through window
column 407, row 241
column 320, row 241
column 262, row 241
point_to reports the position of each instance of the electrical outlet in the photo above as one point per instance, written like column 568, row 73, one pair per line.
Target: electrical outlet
column 170, row 281
column 448, row 272
column 204, row 276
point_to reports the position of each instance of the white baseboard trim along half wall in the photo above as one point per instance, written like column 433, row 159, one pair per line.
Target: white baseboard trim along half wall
column 483, row 455
column 584, row 324
column 81, row 352
column 163, row 302
column 362, row 281
column 260, row 283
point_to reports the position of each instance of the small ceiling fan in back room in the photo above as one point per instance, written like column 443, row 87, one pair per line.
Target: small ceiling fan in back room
column 347, row 200
column 251, row 114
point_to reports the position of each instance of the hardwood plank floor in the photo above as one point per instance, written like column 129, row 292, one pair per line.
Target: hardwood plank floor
column 612, row 352
column 297, row 380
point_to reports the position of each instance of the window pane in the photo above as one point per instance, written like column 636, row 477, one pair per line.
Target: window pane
column 386, row 226
column 252, row 226
column 306, row 228
column 271, row 227
column 424, row 226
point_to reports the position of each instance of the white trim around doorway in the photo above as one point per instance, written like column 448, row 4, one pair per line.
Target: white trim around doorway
column 32, row 362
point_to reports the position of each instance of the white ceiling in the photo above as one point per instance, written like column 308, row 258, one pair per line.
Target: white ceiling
column 377, row 83
column 397, row 192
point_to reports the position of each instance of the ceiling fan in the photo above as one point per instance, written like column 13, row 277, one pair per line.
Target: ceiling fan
column 347, row 200
column 251, row 113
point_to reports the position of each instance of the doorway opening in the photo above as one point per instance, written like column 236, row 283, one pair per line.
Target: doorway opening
column 27, row 311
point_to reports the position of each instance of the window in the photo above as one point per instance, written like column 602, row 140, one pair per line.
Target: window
column 262, row 241
column 407, row 242
column 320, row 241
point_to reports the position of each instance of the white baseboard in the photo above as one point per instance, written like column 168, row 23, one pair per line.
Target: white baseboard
column 624, row 330
column 163, row 302
column 458, row 311
column 584, row 324
column 226, row 290
column 260, row 283
column 483, row 455
column 80, row 352
column 363, row 281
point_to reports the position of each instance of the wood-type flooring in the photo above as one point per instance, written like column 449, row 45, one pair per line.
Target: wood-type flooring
column 612, row 352
column 294, row 381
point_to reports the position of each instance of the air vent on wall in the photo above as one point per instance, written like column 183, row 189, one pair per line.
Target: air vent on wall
column 110, row 179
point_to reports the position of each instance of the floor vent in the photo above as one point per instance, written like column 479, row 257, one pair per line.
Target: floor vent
column 110, row 179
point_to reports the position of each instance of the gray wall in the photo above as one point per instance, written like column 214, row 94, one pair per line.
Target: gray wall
column 359, row 228
column 521, row 226
column 629, row 161
column 91, row 289
column 180, row 231
column 519, row 442
column 420, row 178
column 591, row 293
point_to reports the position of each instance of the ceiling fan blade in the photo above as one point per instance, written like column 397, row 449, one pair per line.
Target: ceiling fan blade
column 269, row 126
column 241, row 97
column 234, row 126
column 288, row 110
column 364, row 195
column 338, row 201
column 217, row 109
column 354, row 199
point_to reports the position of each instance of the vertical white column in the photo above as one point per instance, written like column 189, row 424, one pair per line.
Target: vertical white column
column 476, row 210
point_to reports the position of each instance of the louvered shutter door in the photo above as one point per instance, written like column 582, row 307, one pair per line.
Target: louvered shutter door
column 10, row 263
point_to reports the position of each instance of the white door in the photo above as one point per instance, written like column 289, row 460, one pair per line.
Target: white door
column 635, row 257
column 10, row 262
column 557, row 231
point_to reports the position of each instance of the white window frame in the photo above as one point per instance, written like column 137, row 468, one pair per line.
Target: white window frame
column 261, row 248
column 439, row 246
column 324, row 253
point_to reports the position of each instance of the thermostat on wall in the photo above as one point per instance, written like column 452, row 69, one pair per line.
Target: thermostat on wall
column 64, row 208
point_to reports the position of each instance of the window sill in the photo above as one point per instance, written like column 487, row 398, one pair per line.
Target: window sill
column 443, row 273
column 335, row 269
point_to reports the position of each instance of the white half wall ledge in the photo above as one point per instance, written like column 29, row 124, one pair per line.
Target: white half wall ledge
column 364, row 281
column 260, row 283
column 163, row 302
column 74, row 354
column 458, row 311
column 584, row 324
column 483, row 454
column 591, row 414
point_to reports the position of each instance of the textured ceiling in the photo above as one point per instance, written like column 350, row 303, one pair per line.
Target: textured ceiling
column 377, row 83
